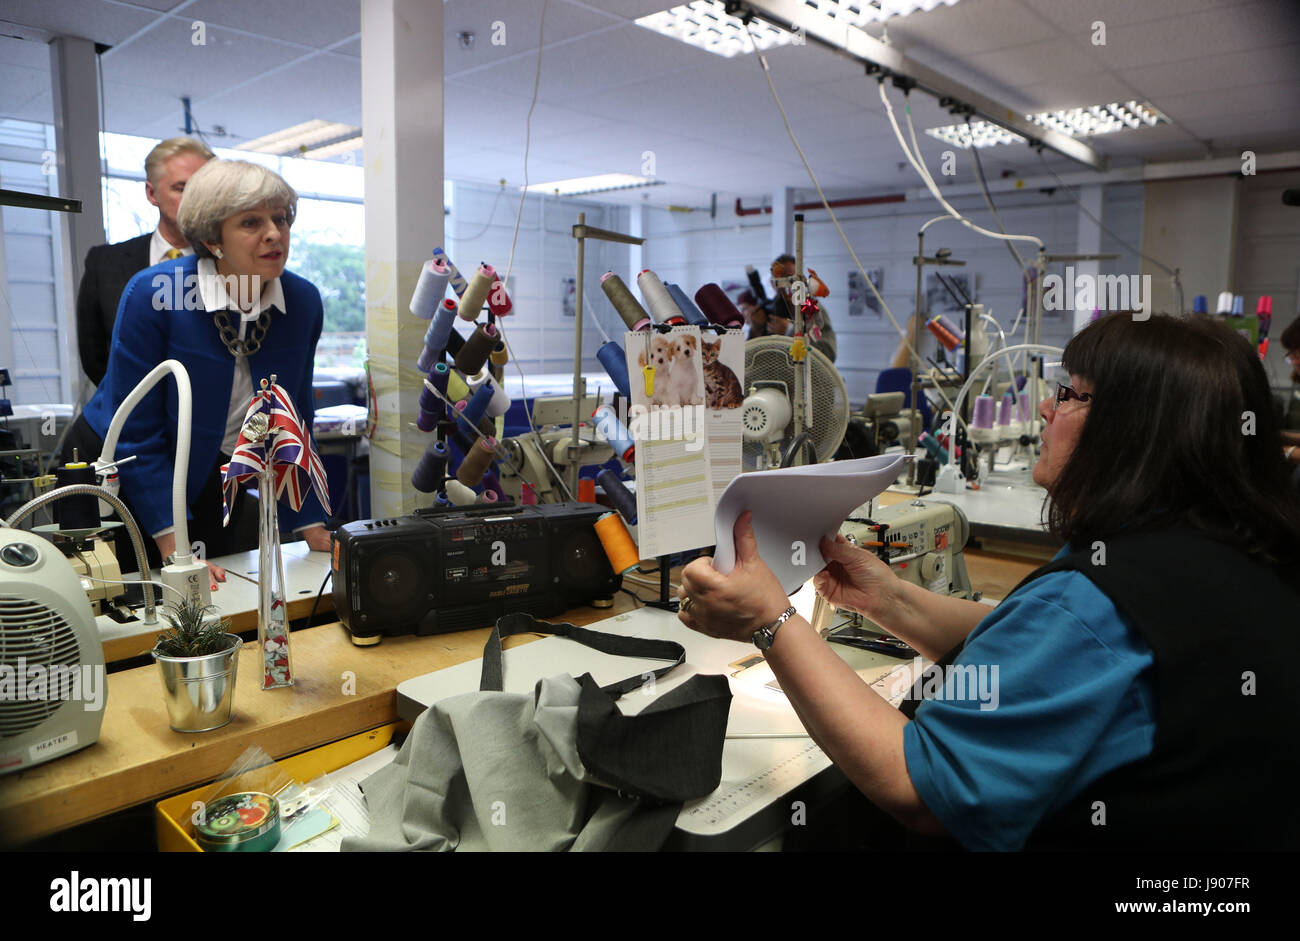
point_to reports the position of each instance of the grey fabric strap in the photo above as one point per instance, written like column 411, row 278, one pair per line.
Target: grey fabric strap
column 493, row 677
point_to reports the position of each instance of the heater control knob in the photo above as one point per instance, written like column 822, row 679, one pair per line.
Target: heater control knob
column 19, row 554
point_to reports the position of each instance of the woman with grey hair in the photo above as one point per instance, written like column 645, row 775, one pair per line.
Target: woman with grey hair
column 233, row 316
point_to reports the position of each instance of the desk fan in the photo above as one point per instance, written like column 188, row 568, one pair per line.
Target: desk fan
column 767, row 414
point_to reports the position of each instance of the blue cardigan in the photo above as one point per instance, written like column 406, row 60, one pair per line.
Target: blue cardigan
column 151, row 327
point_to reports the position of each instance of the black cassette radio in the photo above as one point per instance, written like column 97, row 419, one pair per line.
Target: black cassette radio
column 455, row 568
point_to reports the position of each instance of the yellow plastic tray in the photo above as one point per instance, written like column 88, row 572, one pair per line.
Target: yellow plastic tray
column 173, row 834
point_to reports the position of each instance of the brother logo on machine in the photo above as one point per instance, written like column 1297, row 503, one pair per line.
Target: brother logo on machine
column 76, row 894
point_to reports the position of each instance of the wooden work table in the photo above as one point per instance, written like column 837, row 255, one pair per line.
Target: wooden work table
column 340, row 690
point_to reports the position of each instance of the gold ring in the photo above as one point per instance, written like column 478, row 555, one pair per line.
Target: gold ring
column 686, row 603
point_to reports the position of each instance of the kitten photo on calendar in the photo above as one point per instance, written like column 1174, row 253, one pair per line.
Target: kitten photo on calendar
column 721, row 387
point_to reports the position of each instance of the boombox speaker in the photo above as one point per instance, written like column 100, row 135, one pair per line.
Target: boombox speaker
column 457, row 568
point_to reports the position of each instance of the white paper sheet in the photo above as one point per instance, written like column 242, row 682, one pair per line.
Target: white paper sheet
column 794, row 507
column 347, row 803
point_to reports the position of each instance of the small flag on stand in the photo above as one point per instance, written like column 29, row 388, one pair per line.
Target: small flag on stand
column 275, row 448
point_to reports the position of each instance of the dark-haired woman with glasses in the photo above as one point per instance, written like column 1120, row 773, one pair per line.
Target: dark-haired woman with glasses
column 1135, row 693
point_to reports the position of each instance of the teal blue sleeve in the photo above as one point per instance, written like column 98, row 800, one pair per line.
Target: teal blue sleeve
column 1065, row 696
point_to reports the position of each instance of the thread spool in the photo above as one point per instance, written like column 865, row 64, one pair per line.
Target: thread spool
column 440, row 377
column 458, row 493
column 499, row 355
column 429, row 400
column 527, row 495
column 686, row 306
column 427, row 421
column 715, row 305
column 477, row 460
column 661, row 304
column 615, row 432
column 942, row 334
column 952, row 328
column 1199, row 304
column 80, row 511
column 474, row 354
column 472, row 301
column 614, row 360
column 492, row 482
column 1224, row 307
column 623, row 499
column 477, row 405
column 437, row 336
column 1005, row 411
column 454, row 277
column 498, row 300
column 499, row 401
column 624, row 301
column 1264, row 306
column 983, row 415
column 442, row 499
column 487, row 427
column 1238, row 305
column 935, row 449
column 487, row 496
column 429, row 288
column 1025, row 408
column 431, row 469
column 617, row 543
column 456, row 388
column 586, row 490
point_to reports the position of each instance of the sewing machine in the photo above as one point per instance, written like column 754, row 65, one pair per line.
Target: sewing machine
column 921, row 540
column 528, row 453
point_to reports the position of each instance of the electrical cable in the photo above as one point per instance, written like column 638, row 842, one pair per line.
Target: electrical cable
column 920, row 168
column 118, row 581
column 487, row 225
column 1172, row 272
column 984, row 191
column 514, row 239
column 767, row 73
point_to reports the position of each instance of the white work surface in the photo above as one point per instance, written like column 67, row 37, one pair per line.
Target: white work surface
column 304, row 571
column 748, row 808
column 1007, row 501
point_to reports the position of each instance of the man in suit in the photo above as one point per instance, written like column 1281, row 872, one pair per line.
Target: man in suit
column 109, row 267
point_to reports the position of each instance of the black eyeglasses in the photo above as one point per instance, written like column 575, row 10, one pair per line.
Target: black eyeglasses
column 1064, row 393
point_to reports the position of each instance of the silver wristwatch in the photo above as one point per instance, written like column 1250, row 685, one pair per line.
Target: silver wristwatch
column 765, row 636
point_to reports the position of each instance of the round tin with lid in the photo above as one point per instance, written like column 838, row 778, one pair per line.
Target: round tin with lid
column 246, row 822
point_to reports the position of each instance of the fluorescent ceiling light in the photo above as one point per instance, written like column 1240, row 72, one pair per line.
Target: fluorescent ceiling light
column 301, row 137
column 979, row 133
column 1076, row 122
column 602, row 182
column 338, row 147
column 706, row 23
column 862, row 12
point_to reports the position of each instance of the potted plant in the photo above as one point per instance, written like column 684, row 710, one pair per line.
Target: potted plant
column 199, row 659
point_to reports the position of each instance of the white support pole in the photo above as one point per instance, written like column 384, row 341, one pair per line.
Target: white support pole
column 782, row 222
column 402, row 118
column 1089, row 243
column 76, row 135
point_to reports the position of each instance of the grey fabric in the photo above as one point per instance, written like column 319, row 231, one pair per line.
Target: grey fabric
column 501, row 771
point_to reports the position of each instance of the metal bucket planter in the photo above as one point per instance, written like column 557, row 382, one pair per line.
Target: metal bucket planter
column 200, row 691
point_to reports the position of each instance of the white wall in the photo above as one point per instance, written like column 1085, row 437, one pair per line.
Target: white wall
column 546, row 253
column 1268, row 257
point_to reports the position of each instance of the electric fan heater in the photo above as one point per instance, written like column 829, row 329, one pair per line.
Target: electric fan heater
column 767, row 414
column 52, row 680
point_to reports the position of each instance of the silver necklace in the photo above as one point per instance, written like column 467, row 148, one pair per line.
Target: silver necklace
column 230, row 336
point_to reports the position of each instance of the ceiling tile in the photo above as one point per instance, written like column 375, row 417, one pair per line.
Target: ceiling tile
column 166, row 56
column 1229, row 70
column 316, row 23
column 87, row 19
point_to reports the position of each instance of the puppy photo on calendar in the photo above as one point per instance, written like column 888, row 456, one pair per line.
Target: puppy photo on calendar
column 677, row 371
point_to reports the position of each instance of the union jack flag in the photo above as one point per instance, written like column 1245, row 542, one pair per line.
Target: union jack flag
column 292, row 453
